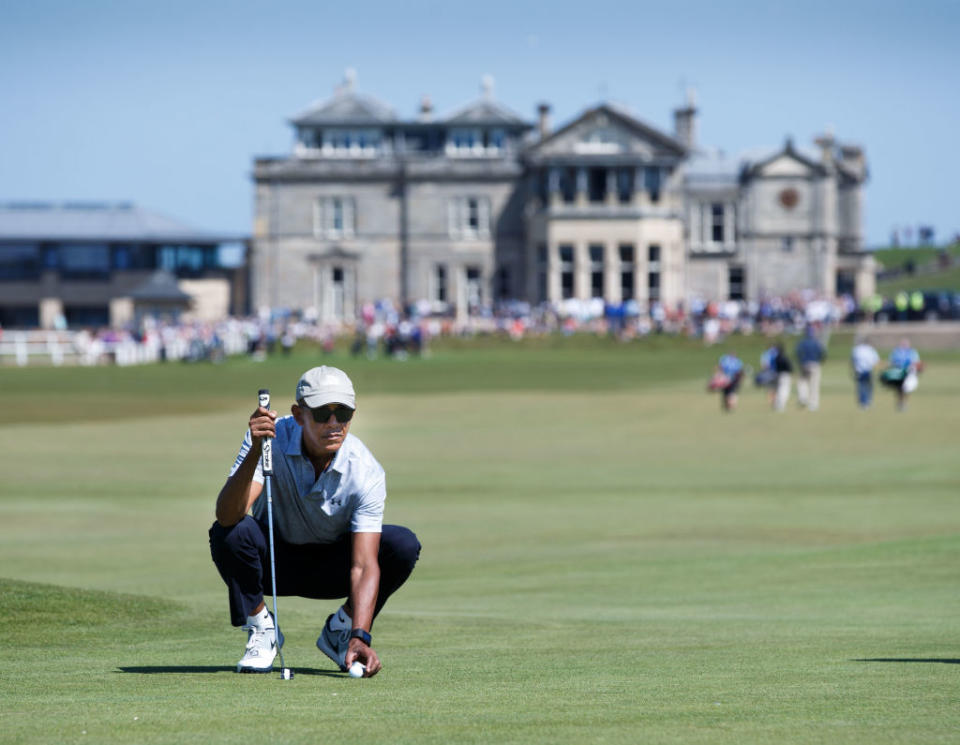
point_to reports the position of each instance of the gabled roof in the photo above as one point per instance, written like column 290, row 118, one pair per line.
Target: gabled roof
column 627, row 119
column 755, row 162
column 97, row 221
column 485, row 111
column 346, row 108
column 161, row 286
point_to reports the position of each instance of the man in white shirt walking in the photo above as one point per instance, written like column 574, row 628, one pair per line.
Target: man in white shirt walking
column 330, row 541
column 864, row 359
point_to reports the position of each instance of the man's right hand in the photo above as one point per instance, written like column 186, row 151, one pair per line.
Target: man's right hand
column 240, row 491
column 262, row 424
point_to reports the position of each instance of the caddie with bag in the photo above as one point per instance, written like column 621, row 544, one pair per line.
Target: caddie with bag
column 902, row 373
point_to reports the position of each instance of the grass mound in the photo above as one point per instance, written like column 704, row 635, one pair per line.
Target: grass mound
column 42, row 614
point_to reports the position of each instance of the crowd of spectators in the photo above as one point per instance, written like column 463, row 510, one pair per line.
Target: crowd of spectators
column 384, row 330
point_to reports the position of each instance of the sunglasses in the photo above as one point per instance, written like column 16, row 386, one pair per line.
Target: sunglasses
column 322, row 415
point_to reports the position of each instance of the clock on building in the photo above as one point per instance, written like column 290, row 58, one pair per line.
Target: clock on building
column 789, row 198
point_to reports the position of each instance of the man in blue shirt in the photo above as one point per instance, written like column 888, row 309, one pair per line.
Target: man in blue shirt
column 732, row 369
column 810, row 355
column 905, row 363
column 330, row 541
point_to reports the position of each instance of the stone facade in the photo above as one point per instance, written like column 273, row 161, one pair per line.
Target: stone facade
column 462, row 211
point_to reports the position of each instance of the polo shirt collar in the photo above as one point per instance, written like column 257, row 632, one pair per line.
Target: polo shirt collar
column 294, row 447
column 339, row 462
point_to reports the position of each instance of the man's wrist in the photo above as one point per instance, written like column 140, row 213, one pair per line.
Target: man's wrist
column 361, row 634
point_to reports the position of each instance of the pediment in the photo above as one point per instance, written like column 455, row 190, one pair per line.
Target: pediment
column 606, row 132
column 785, row 165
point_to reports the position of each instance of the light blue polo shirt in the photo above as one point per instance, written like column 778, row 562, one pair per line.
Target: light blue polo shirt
column 347, row 498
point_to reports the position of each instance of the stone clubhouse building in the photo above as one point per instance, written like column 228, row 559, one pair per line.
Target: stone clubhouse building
column 477, row 206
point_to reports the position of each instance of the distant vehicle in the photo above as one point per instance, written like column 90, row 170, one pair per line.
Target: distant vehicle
column 941, row 305
column 938, row 305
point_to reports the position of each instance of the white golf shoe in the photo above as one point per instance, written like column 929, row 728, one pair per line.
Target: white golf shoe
column 334, row 643
column 261, row 649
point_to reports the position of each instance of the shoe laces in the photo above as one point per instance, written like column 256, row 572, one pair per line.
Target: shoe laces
column 256, row 637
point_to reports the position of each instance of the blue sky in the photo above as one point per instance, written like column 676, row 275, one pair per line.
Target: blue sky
column 166, row 104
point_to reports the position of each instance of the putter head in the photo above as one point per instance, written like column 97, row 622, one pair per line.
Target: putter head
column 286, row 673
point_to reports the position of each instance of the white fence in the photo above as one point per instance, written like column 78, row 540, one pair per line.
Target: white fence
column 22, row 348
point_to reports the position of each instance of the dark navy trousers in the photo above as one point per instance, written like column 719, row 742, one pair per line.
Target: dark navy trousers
column 242, row 555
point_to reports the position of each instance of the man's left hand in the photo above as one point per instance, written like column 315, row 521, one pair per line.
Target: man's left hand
column 367, row 656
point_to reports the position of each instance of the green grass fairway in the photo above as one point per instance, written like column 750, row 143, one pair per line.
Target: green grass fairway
column 607, row 557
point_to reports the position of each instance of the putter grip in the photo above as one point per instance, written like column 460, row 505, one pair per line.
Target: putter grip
column 266, row 455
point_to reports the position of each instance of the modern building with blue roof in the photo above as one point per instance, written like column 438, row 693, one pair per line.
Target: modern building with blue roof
column 110, row 263
column 479, row 205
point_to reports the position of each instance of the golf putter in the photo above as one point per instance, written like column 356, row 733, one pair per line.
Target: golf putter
column 267, row 460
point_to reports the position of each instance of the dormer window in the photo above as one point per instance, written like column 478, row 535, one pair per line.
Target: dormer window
column 310, row 138
column 473, row 141
column 353, row 143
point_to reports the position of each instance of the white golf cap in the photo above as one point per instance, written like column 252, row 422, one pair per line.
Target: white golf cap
column 324, row 385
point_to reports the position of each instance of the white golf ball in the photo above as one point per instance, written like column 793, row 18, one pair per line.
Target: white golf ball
column 357, row 670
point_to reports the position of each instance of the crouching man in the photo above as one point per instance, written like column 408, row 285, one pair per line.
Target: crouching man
column 328, row 495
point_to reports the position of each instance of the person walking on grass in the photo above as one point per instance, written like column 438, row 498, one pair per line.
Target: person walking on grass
column 328, row 500
column 863, row 359
column 901, row 375
column 727, row 377
column 767, row 377
column 810, row 356
column 781, row 363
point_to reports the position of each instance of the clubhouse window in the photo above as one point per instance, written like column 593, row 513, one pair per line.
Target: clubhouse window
column 469, row 217
column 735, row 283
column 625, row 185
column 652, row 182
column 19, row 261
column 473, row 141
column 334, row 217
column 185, row 261
column 440, row 283
column 566, row 271
column 87, row 261
column 596, row 270
column 568, row 185
column 474, row 288
column 597, row 184
column 626, row 271
column 716, row 222
column 347, row 142
column 542, row 271
column 653, row 272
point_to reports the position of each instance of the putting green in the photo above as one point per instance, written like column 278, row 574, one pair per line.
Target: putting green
column 607, row 557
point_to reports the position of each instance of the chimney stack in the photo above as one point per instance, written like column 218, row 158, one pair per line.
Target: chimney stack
column 543, row 111
column 426, row 109
column 826, row 142
column 685, row 123
column 852, row 157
